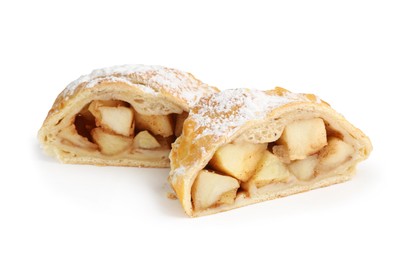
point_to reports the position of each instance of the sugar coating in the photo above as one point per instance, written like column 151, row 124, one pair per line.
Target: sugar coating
column 150, row 79
column 225, row 112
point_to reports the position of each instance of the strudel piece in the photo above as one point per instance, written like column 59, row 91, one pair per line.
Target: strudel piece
column 124, row 115
column 245, row 146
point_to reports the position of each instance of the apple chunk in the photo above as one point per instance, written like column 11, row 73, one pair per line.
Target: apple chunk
column 269, row 170
column 117, row 119
column 304, row 137
column 304, row 169
column 156, row 124
column 144, row 140
column 96, row 104
column 70, row 135
column 238, row 160
column 113, row 115
column 110, row 144
column 334, row 154
column 211, row 188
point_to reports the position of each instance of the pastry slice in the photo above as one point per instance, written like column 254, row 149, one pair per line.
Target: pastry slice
column 124, row 115
column 243, row 146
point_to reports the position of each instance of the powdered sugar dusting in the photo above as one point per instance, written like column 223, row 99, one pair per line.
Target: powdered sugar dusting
column 225, row 112
column 98, row 75
column 150, row 79
column 185, row 86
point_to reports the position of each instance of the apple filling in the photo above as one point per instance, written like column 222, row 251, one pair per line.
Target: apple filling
column 114, row 127
column 306, row 151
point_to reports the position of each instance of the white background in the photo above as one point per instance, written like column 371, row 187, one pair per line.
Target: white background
column 350, row 53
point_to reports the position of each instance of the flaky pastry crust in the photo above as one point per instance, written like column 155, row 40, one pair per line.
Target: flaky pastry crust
column 256, row 117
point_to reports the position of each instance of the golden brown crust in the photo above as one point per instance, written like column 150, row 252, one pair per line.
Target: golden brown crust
column 253, row 116
column 148, row 89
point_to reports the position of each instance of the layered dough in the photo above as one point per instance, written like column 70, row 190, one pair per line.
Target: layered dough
column 125, row 115
column 245, row 146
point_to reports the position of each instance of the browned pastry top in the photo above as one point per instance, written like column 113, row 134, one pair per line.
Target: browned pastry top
column 181, row 87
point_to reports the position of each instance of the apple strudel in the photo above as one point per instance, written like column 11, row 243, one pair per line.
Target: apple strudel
column 244, row 146
column 124, row 115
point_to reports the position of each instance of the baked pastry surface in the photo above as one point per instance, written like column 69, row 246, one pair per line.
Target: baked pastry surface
column 124, row 115
column 244, row 146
